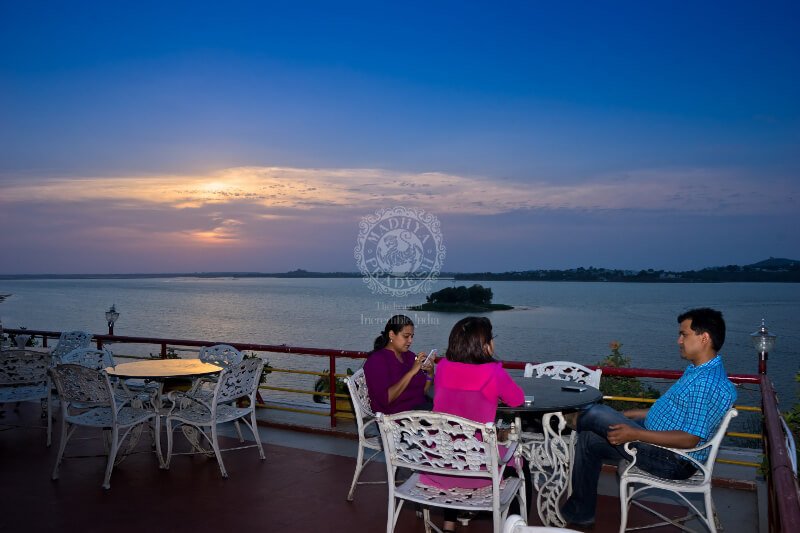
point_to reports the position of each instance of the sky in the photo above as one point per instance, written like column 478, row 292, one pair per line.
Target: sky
column 145, row 137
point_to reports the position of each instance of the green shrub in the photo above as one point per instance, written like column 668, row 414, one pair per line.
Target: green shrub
column 621, row 386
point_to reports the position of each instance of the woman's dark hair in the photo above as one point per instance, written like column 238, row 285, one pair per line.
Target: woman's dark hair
column 468, row 340
column 396, row 325
column 707, row 320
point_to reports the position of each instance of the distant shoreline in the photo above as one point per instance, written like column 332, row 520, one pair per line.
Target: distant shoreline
column 770, row 270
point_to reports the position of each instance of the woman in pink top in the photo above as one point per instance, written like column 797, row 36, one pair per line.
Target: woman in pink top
column 469, row 383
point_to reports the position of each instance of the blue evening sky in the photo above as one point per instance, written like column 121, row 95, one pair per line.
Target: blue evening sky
column 144, row 136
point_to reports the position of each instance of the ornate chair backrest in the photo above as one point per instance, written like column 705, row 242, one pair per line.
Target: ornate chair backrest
column 68, row 341
column 221, row 355
column 565, row 370
column 90, row 358
column 238, row 380
column 357, row 386
column 439, row 443
column 22, row 367
column 82, row 385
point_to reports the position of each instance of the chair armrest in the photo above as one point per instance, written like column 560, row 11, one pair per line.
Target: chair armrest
column 680, row 452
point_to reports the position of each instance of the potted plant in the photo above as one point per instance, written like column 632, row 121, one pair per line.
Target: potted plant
column 22, row 339
column 323, row 384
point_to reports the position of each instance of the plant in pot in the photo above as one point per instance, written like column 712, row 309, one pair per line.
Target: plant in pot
column 21, row 340
column 323, row 384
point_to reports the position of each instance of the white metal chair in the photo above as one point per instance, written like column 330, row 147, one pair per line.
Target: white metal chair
column 634, row 481
column 436, row 443
column 87, row 399
column 365, row 417
column 236, row 381
column 529, row 440
column 222, row 355
column 96, row 358
column 23, row 378
column 68, row 341
column 516, row 524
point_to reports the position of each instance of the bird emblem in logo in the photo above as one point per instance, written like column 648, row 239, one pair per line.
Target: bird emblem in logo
column 399, row 251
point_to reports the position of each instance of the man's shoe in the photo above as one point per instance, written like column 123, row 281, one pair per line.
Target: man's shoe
column 571, row 521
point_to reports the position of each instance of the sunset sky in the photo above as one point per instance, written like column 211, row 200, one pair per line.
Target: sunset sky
column 230, row 136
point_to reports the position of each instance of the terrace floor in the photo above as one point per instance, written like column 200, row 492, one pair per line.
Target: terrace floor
column 300, row 487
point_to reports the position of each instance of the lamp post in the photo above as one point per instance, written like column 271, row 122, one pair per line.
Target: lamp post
column 763, row 342
column 111, row 316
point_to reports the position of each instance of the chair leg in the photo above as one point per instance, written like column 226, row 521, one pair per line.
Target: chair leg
column 357, row 473
column 426, row 519
column 238, row 428
column 49, row 420
column 169, row 428
column 254, row 429
column 711, row 512
column 217, row 452
column 157, row 439
column 66, row 431
column 112, row 455
column 623, row 502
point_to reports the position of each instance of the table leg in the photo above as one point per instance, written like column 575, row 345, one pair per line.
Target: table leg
column 552, row 463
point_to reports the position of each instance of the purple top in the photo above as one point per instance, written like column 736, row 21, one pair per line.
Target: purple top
column 382, row 370
column 471, row 391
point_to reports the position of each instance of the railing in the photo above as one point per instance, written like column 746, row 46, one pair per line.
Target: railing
column 784, row 501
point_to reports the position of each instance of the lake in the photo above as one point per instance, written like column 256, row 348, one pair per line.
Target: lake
column 571, row 321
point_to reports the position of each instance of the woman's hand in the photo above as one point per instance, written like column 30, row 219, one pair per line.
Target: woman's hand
column 418, row 362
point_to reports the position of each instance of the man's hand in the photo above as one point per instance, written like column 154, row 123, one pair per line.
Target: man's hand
column 622, row 433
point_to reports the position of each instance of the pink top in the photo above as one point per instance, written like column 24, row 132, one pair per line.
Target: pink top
column 471, row 391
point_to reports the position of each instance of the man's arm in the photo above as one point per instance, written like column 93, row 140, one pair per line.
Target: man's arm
column 621, row 433
column 636, row 414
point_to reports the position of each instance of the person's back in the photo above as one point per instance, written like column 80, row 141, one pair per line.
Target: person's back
column 472, row 391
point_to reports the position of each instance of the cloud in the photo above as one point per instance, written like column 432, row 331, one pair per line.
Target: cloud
column 271, row 192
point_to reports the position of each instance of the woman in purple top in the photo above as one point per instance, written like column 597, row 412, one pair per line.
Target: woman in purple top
column 393, row 372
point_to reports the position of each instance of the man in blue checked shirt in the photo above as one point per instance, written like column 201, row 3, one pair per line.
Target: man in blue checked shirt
column 686, row 416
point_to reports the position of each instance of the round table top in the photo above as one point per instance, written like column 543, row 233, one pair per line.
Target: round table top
column 163, row 368
column 548, row 396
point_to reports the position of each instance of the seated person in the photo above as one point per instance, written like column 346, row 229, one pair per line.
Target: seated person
column 469, row 384
column 686, row 416
column 394, row 374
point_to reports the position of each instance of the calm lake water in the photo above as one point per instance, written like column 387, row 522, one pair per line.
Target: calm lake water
column 572, row 321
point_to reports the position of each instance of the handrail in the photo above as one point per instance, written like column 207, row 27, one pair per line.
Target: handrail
column 784, row 502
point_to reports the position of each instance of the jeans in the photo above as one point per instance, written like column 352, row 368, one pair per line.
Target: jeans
column 593, row 447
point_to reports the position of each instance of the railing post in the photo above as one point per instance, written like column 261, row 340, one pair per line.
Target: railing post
column 44, row 341
column 332, row 397
column 99, row 343
column 163, row 350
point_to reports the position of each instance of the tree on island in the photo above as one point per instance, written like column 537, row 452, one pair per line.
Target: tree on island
column 476, row 295
column 476, row 298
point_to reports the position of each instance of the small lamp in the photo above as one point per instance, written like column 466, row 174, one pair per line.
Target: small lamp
column 111, row 316
column 763, row 342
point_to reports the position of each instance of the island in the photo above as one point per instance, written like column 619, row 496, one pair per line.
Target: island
column 474, row 299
